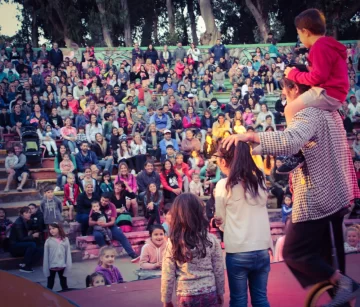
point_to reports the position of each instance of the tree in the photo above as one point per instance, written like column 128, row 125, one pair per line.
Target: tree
column 212, row 32
column 171, row 17
column 191, row 12
column 260, row 17
column 126, row 22
column 104, row 23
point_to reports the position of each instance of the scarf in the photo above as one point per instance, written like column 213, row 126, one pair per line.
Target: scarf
column 103, row 147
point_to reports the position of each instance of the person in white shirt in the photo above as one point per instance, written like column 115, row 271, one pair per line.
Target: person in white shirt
column 138, row 149
column 240, row 211
column 354, row 109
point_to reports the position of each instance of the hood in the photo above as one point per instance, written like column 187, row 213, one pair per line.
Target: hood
column 155, row 253
column 334, row 45
column 213, row 108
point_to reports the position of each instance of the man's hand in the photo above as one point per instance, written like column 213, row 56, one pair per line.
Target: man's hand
column 235, row 139
column 35, row 235
column 287, row 70
column 177, row 191
column 101, row 223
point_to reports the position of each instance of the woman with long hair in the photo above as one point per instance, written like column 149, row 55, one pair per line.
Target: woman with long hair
column 171, row 180
column 101, row 147
column 240, row 201
column 64, row 110
column 61, row 175
column 124, row 154
column 93, row 128
column 124, row 175
column 69, row 134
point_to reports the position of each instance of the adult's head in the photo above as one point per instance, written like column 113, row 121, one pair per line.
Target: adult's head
column 84, row 146
column 105, row 199
column 99, row 138
column 239, row 166
column 18, row 149
column 291, row 89
column 167, row 135
column 25, row 213
column 123, row 169
column 189, row 134
column 33, row 208
column 221, row 118
column 89, row 188
column 149, row 167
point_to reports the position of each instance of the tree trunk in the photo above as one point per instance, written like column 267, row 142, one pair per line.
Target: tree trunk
column 170, row 10
column 212, row 32
column 127, row 26
column 148, row 23
column 156, row 28
column 34, row 29
column 104, row 24
column 190, row 7
column 260, row 21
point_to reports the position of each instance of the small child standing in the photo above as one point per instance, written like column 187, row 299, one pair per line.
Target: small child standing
column 167, row 216
column 106, row 266
column 57, row 256
column 66, row 166
column 352, row 244
column 71, row 193
column 193, row 259
column 51, row 207
column 97, row 216
column 286, row 207
column 152, row 201
column 196, row 185
column 152, row 252
column 81, row 136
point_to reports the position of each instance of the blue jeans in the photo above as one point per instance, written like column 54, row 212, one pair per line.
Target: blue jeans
column 248, row 267
column 83, row 219
column 117, row 235
column 60, row 181
column 107, row 164
column 29, row 250
column 70, row 144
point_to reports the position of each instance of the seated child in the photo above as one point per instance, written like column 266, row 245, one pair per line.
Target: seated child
column 71, row 192
column 97, row 216
column 209, row 147
column 81, row 136
column 107, row 125
column 248, row 117
column 196, row 185
column 328, row 75
column 141, row 108
column 286, row 207
column 96, row 279
column 106, row 184
column 196, row 161
column 10, row 161
column 152, row 201
column 153, row 250
column 170, row 154
column 352, row 244
column 238, row 127
column 106, row 266
column 80, row 120
column 66, row 165
column 167, row 216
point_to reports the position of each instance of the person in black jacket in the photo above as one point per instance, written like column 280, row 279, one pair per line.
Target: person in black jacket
column 102, row 150
column 151, row 54
column 23, row 241
column 4, row 122
column 36, row 223
column 160, row 77
column 279, row 108
column 56, row 56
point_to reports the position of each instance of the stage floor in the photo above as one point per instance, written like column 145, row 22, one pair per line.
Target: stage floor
column 283, row 290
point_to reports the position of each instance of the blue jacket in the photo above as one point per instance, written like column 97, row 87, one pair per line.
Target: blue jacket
column 84, row 161
column 166, row 86
column 18, row 118
column 285, row 212
column 163, row 146
column 218, row 51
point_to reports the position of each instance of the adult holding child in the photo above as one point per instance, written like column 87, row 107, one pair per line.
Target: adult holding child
column 61, row 174
column 109, row 209
column 241, row 212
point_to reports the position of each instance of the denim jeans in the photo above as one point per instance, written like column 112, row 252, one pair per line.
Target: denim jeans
column 70, row 144
column 117, row 235
column 107, row 164
column 83, row 219
column 29, row 250
column 61, row 180
column 248, row 267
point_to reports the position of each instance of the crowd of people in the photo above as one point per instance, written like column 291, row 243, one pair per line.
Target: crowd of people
column 109, row 127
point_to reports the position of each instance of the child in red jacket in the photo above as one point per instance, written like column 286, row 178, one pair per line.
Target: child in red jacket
column 327, row 74
column 71, row 192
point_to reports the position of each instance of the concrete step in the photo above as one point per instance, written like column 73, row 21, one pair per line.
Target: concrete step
column 13, row 196
column 47, row 163
column 28, row 185
column 36, row 173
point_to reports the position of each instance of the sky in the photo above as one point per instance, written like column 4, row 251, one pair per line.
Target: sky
column 8, row 21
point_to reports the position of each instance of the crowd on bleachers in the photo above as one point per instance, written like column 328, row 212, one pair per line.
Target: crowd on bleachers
column 108, row 128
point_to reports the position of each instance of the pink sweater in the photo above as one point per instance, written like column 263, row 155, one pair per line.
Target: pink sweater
column 151, row 254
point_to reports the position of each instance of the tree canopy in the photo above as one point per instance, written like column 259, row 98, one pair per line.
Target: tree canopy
column 115, row 23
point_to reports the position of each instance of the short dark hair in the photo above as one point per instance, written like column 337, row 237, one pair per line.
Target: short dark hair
column 24, row 210
column 84, row 142
column 167, row 208
column 154, row 227
column 312, row 20
column 268, row 116
column 170, row 146
column 32, row 205
column 106, row 195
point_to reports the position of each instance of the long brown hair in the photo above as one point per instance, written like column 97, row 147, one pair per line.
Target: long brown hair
column 242, row 168
column 189, row 228
column 62, row 234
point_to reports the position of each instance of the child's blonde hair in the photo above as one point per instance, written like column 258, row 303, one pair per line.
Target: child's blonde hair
column 105, row 249
column 354, row 228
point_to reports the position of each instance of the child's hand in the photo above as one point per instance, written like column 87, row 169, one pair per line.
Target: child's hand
column 287, row 70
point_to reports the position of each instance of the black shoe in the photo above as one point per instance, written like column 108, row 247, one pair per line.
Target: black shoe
column 26, row 269
column 346, row 290
column 135, row 258
column 291, row 163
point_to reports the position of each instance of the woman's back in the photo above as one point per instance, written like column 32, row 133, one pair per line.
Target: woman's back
column 246, row 222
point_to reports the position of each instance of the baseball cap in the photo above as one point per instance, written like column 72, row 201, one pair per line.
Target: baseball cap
column 159, row 108
column 190, row 96
column 167, row 131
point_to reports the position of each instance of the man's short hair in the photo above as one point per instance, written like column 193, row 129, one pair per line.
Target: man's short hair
column 84, row 142
column 170, row 146
column 221, row 114
column 106, row 195
column 24, row 210
column 268, row 116
column 312, row 20
column 289, row 84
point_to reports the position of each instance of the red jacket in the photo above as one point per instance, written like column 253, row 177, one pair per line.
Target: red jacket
column 327, row 68
column 67, row 193
column 187, row 122
column 185, row 169
column 165, row 183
